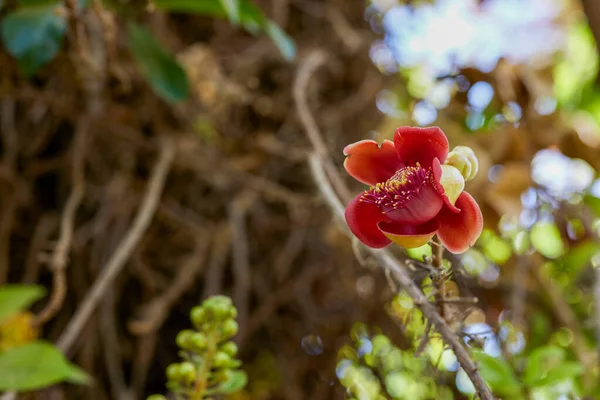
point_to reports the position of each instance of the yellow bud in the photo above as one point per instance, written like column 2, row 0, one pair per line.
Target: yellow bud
column 464, row 160
column 452, row 182
column 17, row 330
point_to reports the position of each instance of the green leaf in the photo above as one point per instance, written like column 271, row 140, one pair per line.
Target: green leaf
column 33, row 36
column 579, row 257
column 236, row 380
column 498, row 374
column 77, row 376
column 419, row 253
column 540, row 329
column 250, row 16
column 546, row 239
column 14, row 298
column 564, row 371
column 36, row 365
column 580, row 60
column 161, row 70
column 593, row 203
column 284, row 43
column 232, row 8
column 539, row 362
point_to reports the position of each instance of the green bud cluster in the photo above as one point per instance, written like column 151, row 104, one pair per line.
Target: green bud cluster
column 216, row 314
column 209, row 355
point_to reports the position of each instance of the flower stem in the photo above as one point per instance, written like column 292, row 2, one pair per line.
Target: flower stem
column 440, row 277
column 202, row 380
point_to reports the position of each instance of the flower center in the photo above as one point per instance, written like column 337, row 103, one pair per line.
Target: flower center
column 400, row 189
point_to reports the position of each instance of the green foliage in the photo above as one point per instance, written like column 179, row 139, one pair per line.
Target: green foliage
column 161, row 70
column 546, row 239
column 33, row 35
column 36, row 365
column 34, row 32
column 578, row 68
column 209, row 366
column 498, row 374
column 373, row 368
column 420, row 253
column 14, row 298
column 250, row 17
column 232, row 9
column 494, row 247
column 543, row 364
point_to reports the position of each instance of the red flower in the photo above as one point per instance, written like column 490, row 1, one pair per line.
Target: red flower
column 408, row 200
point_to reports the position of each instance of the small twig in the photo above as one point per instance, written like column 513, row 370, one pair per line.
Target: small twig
column 241, row 267
column 90, row 58
column 10, row 144
column 46, row 225
column 213, row 279
column 157, row 310
column 428, row 309
column 309, row 65
column 345, row 31
column 519, row 293
column 424, row 339
column 124, row 250
column 307, row 68
column 473, row 300
column 286, row 292
column 60, row 257
column 291, row 249
column 144, row 356
column 112, row 348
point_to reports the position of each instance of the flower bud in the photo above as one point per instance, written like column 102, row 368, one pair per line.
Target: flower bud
column 198, row 342
column 221, row 360
column 233, row 312
column 218, row 306
column 464, row 160
column 183, row 339
column 187, row 372
column 229, row 328
column 229, row 348
column 173, row 373
column 198, row 316
column 521, row 242
column 380, row 343
column 452, row 181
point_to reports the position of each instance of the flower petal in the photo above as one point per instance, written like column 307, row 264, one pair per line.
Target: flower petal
column 459, row 231
column 362, row 219
column 437, row 181
column 420, row 145
column 422, row 207
column 369, row 163
column 409, row 236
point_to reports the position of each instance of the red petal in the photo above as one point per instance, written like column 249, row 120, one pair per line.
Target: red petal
column 424, row 206
column 459, row 231
column 437, row 174
column 420, row 145
column 362, row 219
column 371, row 163
column 409, row 236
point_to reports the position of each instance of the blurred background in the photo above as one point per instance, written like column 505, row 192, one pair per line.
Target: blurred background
column 99, row 98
